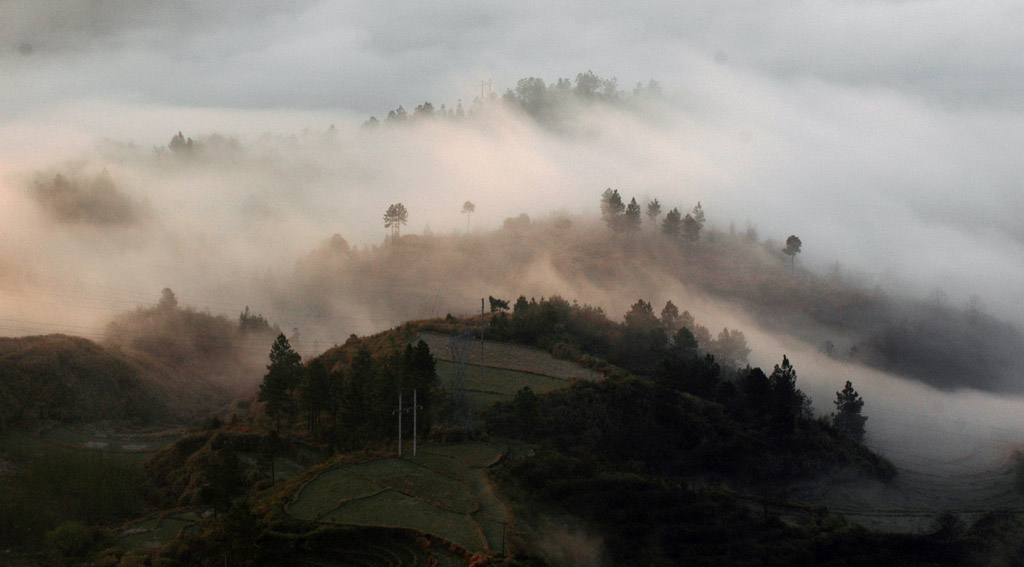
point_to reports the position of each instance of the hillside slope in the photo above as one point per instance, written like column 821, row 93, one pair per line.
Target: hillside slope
column 71, row 379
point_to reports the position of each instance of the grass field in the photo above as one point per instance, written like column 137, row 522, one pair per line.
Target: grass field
column 509, row 356
column 153, row 533
column 486, row 385
column 443, row 491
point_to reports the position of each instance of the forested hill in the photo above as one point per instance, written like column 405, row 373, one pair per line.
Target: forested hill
column 161, row 364
column 552, row 105
column 608, row 265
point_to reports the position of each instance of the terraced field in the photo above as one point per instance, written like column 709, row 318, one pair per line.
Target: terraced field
column 155, row 532
column 486, row 385
column 370, row 547
column 509, row 357
column 443, row 492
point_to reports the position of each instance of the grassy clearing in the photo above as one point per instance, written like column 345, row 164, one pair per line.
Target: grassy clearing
column 473, row 454
column 395, row 510
column 410, row 478
column 153, row 533
column 511, row 357
column 507, row 382
column 442, row 491
column 329, row 491
column 488, row 385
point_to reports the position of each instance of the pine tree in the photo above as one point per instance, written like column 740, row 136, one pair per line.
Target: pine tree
column 792, row 248
column 395, row 217
column 788, row 403
column 653, row 210
column 698, row 215
column 631, row 218
column 673, row 223
column 282, row 378
column 691, row 229
column 848, row 407
column 612, row 209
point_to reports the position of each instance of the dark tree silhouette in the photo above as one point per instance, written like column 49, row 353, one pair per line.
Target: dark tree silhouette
column 788, row 403
column 673, row 223
column 283, row 375
column 467, row 209
column 653, row 210
column 792, row 248
column 395, row 217
column 168, row 302
column 670, row 318
column 691, row 229
column 847, row 417
column 698, row 215
column 612, row 209
column 631, row 219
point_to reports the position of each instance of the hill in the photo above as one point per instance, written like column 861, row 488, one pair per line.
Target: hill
column 70, row 379
column 944, row 346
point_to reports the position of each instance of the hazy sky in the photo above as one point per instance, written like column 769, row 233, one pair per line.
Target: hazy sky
column 886, row 134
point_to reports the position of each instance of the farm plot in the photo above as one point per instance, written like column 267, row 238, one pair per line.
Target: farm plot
column 510, row 357
column 443, row 492
column 365, row 547
column 155, row 532
column 486, row 385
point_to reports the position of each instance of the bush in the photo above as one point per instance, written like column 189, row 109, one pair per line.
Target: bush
column 74, row 540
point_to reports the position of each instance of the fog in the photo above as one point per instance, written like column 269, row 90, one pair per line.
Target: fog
column 885, row 134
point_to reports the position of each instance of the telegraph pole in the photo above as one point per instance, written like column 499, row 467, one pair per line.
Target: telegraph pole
column 399, row 412
column 415, row 406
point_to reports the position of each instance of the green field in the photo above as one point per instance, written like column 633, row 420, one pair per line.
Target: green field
column 443, row 491
column 486, row 385
column 155, row 532
column 508, row 356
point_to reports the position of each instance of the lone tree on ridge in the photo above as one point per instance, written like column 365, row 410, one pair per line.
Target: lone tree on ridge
column 467, row 209
column 395, row 217
column 792, row 248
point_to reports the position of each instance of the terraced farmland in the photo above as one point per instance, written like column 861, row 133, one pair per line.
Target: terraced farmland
column 366, row 547
column 155, row 532
column 443, row 492
column 509, row 356
column 486, row 385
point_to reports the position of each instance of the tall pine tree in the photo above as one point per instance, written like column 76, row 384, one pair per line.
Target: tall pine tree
column 847, row 417
column 284, row 372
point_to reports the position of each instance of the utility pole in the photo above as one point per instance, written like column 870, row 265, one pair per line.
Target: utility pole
column 415, row 406
column 481, row 331
column 399, row 412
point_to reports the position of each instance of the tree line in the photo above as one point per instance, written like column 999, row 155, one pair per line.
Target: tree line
column 349, row 404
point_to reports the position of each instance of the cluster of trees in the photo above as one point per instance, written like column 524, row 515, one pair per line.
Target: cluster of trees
column 179, row 144
column 637, row 343
column 351, row 404
column 621, row 217
column 757, row 420
column 96, row 201
column 545, row 102
column 675, row 351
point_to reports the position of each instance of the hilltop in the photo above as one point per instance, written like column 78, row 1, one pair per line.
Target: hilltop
column 944, row 346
